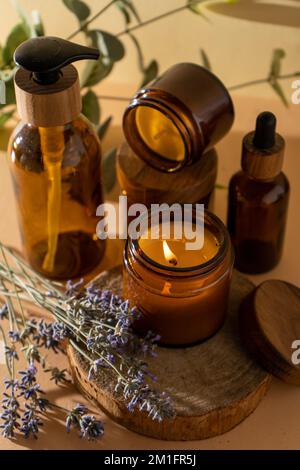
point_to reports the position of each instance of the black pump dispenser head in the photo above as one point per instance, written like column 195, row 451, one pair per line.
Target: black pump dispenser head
column 265, row 131
column 46, row 56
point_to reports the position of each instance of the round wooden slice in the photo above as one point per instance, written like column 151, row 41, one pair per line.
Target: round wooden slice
column 214, row 385
column 270, row 327
column 144, row 184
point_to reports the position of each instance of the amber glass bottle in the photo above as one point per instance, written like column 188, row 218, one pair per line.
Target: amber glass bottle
column 55, row 161
column 77, row 248
column 258, row 200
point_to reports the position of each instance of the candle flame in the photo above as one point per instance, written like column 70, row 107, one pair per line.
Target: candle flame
column 169, row 255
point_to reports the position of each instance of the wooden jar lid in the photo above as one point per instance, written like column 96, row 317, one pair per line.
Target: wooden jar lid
column 48, row 105
column 189, row 185
column 270, row 327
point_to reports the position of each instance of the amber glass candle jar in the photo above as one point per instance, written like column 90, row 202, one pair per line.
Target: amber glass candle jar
column 172, row 121
column 182, row 294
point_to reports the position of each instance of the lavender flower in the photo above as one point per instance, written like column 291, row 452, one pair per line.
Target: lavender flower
column 94, row 369
column 11, row 423
column 73, row 288
column 4, row 312
column 88, row 425
column 11, row 352
column 30, row 422
column 28, row 376
column 74, row 416
column 14, row 336
column 31, row 391
column 158, row 405
column 10, row 383
column 91, row 428
column 10, row 415
column 49, row 335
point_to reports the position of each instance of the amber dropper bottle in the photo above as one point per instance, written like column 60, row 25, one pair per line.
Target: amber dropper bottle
column 258, row 199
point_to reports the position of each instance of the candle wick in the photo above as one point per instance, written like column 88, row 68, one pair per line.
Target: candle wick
column 173, row 261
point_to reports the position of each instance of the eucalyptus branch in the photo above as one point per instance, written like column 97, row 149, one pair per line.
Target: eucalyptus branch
column 139, row 25
column 84, row 25
column 113, row 98
column 156, row 18
column 261, row 81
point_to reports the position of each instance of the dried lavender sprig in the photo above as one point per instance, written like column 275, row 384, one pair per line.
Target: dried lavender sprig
column 102, row 325
column 29, row 422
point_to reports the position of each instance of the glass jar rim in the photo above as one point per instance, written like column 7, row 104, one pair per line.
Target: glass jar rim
column 204, row 268
column 136, row 142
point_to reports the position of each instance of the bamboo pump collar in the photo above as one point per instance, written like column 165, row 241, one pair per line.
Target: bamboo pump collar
column 47, row 85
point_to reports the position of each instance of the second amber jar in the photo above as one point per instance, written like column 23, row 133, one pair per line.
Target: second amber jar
column 174, row 120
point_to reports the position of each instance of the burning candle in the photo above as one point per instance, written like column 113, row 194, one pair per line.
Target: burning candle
column 174, row 253
column 182, row 293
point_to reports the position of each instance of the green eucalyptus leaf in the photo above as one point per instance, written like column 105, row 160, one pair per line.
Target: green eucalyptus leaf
column 4, row 117
column 103, row 128
column 15, row 38
column 140, row 56
column 95, row 71
column 275, row 69
column 91, row 107
column 109, row 46
column 127, row 8
column 79, row 8
column 150, row 72
column 133, row 10
column 122, row 7
column 205, row 60
column 279, row 91
column 109, row 169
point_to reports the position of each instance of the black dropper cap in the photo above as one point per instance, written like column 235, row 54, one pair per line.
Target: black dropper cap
column 265, row 131
column 263, row 149
column 46, row 56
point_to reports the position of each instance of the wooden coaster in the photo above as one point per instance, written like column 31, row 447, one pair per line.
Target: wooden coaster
column 146, row 185
column 214, row 385
column 270, row 324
